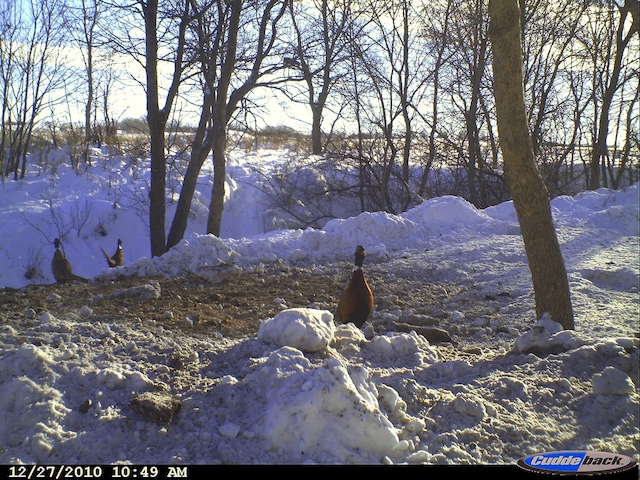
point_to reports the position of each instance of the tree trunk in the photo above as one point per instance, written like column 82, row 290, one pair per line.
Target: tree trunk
column 89, row 104
column 220, row 117
column 530, row 196
column 199, row 151
column 316, row 129
column 471, row 117
column 181, row 217
column 405, row 97
column 157, row 117
column 157, row 207
column 157, row 122
column 216, row 206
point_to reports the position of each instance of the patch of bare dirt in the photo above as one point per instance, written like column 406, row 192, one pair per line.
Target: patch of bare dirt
column 234, row 307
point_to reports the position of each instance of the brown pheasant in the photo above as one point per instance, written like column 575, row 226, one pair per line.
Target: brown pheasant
column 61, row 268
column 356, row 303
column 117, row 260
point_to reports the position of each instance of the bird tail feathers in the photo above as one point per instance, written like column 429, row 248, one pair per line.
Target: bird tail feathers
column 110, row 260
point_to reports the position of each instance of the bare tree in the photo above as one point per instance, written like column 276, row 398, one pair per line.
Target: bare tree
column 391, row 77
column 109, row 78
column 530, row 196
column 626, row 126
column 549, row 31
column 153, row 35
column 252, row 75
column 468, row 84
column 234, row 48
column 157, row 115
column 31, row 70
column 320, row 35
column 437, row 24
column 89, row 14
column 624, row 32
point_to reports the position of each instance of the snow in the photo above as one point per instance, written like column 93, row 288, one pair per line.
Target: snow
column 306, row 329
column 303, row 390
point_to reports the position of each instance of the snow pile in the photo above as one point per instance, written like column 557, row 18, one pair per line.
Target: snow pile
column 306, row 329
column 323, row 413
column 390, row 399
column 204, row 255
column 544, row 337
column 612, row 382
column 328, row 411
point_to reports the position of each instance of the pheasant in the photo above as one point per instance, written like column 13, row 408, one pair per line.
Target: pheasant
column 356, row 303
column 61, row 267
column 117, row 260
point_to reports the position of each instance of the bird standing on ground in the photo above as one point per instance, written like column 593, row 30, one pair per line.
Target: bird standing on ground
column 61, row 268
column 117, row 260
column 356, row 303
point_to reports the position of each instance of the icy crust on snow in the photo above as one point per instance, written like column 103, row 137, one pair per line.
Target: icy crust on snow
column 67, row 386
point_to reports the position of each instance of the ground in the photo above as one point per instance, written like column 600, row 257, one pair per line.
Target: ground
column 235, row 307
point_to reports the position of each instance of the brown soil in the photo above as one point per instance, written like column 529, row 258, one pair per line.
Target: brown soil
column 234, row 307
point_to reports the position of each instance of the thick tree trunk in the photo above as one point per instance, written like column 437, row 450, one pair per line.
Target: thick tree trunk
column 530, row 196
column 157, row 122
column 157, row 192
column 157, row 117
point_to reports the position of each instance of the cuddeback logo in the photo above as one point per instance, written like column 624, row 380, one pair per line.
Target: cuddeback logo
column 572, row 462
